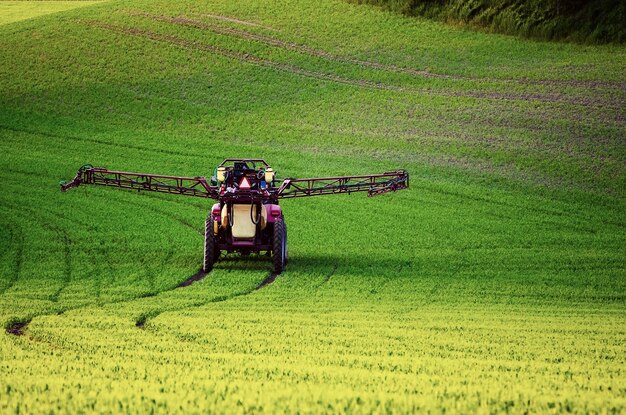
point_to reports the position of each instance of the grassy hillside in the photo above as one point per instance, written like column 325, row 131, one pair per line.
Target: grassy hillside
column 586, row 21
column 495, row 283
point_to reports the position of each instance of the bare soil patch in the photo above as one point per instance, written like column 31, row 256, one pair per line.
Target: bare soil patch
column 17, row 328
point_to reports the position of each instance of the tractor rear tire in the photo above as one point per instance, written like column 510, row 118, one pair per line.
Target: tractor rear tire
column 279, row 246
column 286, row 245
column 211, row 253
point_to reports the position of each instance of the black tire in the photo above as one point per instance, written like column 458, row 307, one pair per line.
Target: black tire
column 211, row 253
column 279, row 246
column 286, row 245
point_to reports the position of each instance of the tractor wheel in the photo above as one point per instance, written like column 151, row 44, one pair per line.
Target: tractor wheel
column 279, row 246
column 286, row 245
column 211, row 253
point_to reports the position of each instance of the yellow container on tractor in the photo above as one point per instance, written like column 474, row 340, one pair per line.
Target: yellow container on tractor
column 220, row 174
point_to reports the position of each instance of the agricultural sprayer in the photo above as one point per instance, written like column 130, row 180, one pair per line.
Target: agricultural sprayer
column 247, row 217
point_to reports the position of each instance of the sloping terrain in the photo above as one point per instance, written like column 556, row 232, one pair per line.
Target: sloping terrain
column 497, row 282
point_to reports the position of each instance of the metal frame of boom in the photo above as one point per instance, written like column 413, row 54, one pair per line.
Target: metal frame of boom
column 373, row 184
column 188, row 186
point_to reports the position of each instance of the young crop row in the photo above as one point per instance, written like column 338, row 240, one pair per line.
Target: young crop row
column 476, row 358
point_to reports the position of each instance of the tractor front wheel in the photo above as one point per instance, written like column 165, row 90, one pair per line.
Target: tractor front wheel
column 211, row 253
column 279, row 246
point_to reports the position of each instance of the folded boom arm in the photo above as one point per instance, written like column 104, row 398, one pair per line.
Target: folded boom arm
column 188, row 186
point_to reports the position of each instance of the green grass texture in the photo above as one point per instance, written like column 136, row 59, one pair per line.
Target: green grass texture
column 495, row 283
column 14, row 11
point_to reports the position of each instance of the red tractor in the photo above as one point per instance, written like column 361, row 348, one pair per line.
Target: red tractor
column 247, row 217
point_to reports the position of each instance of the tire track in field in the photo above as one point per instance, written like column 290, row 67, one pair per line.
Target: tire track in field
column 67, row 271
column 161, row 212
column 287, row 45
column 198, row 276
column 363, row 83
column 327, row 277
column 319, row 53
column 592, row 83
column 17, row 324
column 143, row 319
column 239, row 56
column 67, row 260
column 238, row 21
column 67, row 252
column 62, row 235
column 188, row 281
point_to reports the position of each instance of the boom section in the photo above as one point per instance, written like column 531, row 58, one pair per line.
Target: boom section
column 373, row 184
column 188, row 186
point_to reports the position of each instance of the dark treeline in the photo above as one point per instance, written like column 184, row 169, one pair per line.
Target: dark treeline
column 584, row 21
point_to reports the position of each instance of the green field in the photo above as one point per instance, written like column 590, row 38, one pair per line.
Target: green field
column 16, row 10
column 496, row 283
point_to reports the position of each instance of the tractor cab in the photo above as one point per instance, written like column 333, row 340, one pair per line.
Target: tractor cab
column 244, row 174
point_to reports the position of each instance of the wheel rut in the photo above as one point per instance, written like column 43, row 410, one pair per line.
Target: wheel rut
column 293, row 46
column 238, row 21
column 328, row 276
column 267, row 281
column 17, row 327
column 68, row 266
column 61, row 234
column 616, row 103
column 243, row 57
column 304, row 49
column 198, row 276
column 144, row 318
